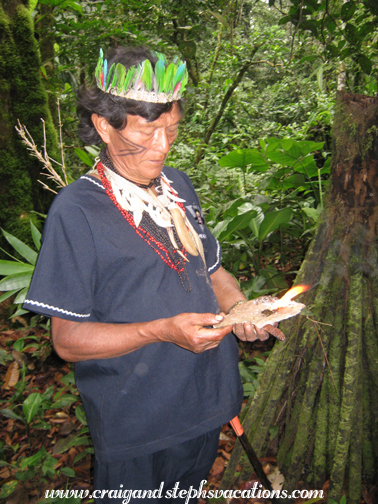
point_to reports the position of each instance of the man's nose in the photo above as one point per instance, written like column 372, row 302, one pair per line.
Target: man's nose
column 161, row 141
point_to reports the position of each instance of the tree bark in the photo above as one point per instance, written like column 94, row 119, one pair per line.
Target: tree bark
column 324, row 410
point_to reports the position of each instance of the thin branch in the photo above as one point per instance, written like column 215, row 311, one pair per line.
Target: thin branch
column 225, row 100
column 44, row 158
column 61, row 143
column 295, row 32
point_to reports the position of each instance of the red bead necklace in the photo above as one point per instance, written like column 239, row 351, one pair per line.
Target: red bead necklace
column 157, row 246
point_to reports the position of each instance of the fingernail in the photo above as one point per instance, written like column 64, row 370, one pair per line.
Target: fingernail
column 219, row 317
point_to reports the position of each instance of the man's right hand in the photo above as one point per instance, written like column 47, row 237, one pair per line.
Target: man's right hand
column 189, row 331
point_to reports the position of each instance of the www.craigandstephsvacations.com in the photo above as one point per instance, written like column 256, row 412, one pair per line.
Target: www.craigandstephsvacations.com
column 257, row 491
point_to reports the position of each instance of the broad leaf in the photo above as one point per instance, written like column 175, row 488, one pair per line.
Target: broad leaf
column 31, row 406
column 220, row 227
column 347, row 11
column 220, row 18
column 20, row 298
column 273, row 221
column 24, row 250
column 294, row 181
column 65, row 444
column 15, row 282
column 33, row 460
column 80, row 414
column 238, row 222
column 365, row 64
column 241, row 158
column 12, row 267
column 11, row 414
column 256, row 222
column 8, row 488
column 351, row 34
column 84, row 157
column 36, row 235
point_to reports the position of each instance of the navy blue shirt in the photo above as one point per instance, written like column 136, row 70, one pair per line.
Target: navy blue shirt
column 93, row 267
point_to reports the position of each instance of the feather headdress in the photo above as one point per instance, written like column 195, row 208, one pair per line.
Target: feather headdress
column 164, row 84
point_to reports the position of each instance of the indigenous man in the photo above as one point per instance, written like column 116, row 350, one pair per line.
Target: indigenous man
column 132, row 280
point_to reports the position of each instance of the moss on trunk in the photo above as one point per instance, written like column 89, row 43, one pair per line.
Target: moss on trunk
column 23, row 97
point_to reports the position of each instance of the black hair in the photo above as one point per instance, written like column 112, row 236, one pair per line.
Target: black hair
column 116, row 108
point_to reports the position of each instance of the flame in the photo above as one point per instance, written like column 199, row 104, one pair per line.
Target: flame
column 294, row 291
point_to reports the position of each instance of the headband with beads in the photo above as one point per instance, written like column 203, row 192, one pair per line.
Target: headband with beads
column 163, row 85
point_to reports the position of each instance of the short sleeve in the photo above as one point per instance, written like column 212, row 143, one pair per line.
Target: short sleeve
column 64, row 277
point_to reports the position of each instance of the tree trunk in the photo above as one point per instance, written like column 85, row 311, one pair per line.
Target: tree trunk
column 22, row 97
column 320, row 386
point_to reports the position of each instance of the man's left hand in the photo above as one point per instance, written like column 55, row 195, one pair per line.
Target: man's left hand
column 249, row 332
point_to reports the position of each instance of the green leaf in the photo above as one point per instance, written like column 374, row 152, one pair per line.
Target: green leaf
column 365, row 64
column 296, row 180
column 241, row 158
column 273, row 221
column 274, row 278
column 84, row 157
column 64, row 400
column 216, row 231
column 12, row 267
column 220, row 18
column 32, row 5
column 256, row 222
column 11, row 414
column 15, row 282
column 32, row 405
column 92, row 150
column 351, row 34
column 20, row 298
column 33, row 460
column 8, row 489
column 238, row 222
column 347, row 11
column 319, row 78
column 36, row 235
column 311, row 213
column 24, row 250
column 65, row 444
column 19, row 313
column 67, row 471
column 7, row 295
column 284, row 20
column 80, row 414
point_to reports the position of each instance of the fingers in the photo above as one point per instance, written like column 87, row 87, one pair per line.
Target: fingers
column 249, row 332
column 194, row 331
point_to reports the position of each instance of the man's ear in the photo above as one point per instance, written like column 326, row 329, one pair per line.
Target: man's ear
column 102, row 126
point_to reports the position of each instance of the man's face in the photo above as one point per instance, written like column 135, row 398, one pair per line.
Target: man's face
column 139, row 150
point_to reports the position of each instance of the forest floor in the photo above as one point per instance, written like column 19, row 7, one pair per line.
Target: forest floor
column 44, row 445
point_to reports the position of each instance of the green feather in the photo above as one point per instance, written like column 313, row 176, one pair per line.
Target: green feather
column 121, row 74
column 184, row 83
column 179, row 74
column 160, row 74
column 161, row 57
column 129, row 77
column 147, row 75
column 100, row 62
column 115, row 75
column 108, row 77
column 169, row 73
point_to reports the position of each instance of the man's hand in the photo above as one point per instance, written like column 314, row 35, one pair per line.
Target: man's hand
column 249, row 332
column 189, row 331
